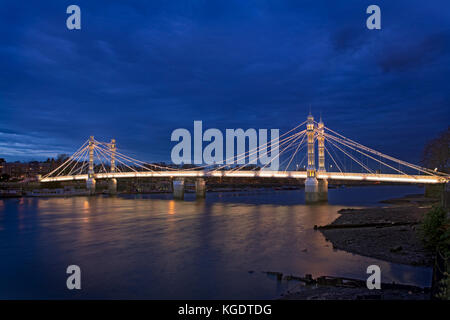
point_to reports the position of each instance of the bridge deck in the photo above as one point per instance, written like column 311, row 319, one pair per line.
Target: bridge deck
column 257, row 174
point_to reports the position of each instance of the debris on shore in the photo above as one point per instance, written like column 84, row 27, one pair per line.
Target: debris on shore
column 346, row 293
column 341, row 288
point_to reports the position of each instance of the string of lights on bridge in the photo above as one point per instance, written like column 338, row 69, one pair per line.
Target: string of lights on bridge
column 346, row 158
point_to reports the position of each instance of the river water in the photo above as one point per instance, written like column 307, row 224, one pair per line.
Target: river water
column 152, row 247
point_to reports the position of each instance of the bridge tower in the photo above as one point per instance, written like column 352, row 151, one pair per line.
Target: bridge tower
column 90, row 182
column 311, row 183
column 113, row 182
column 321, row 148
column 323, row 183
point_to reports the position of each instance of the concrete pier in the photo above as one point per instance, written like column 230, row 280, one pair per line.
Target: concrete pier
column 200, row 188
column 323, row 190
column 90, row 185
column 112, row 186
column 311, row 190
column 178, row 189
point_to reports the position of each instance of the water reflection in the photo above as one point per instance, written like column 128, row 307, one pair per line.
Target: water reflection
column 171, row 207
column 154, row 247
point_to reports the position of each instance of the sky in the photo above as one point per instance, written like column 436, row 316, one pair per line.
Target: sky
column 137, row 70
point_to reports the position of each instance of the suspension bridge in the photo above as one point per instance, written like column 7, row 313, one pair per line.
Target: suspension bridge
column 339, row 158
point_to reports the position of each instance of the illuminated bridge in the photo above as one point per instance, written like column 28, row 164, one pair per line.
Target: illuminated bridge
column 339, row 158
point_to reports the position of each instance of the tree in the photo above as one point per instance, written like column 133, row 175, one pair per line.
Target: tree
column 437, row 151
column 62, row 157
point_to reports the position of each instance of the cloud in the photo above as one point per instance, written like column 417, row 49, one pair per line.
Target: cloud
column 140, row 69
column 349, row 38
column 407, row 56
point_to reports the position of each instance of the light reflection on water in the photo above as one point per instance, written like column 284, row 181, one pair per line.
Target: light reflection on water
column 155, row 247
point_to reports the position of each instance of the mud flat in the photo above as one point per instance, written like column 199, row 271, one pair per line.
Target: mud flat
column 386, row 233
column 390, row 233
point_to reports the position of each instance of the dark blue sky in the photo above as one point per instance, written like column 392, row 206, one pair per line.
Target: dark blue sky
column 140, row 69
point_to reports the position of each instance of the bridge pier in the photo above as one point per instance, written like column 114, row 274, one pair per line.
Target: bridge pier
column 178, row 189
column 90, row 185
column 311, row 190
column 200, row 188
column 112, row 186
column 323, row 190
column 316, row 190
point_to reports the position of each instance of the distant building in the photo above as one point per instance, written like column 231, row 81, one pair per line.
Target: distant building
column 20, row 170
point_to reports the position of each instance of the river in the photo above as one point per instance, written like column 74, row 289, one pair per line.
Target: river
column 152, row 247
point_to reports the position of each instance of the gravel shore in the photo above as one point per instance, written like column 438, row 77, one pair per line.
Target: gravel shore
column 386, row 233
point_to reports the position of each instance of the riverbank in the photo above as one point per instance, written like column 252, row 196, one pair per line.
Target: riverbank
column 387, row 233
column 349, row 293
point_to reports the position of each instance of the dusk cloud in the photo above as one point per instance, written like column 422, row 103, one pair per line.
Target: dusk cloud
column 140, row 69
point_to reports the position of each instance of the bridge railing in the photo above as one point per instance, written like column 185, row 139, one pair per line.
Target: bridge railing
column 258, row 174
